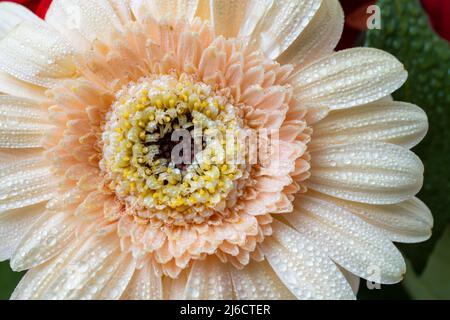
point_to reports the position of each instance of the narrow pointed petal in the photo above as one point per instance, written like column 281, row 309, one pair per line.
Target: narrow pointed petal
column 351, row 242
column 348, row 78
column 122, row 10
column 319, row 38
column 398, row 123
column 203, row 10
column 367, row 172
column 303, row 267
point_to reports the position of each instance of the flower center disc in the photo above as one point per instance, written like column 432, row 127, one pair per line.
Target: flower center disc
column 171, row 143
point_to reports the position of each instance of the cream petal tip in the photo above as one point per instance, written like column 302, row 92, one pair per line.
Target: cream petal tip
column 349, row 78
column 367, row 172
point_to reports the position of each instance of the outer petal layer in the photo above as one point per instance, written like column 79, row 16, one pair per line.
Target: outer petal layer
column 232, row 18
column 368, row 172
column 23, row 123
column 26, row 182
column 83, row 21
column 18, row 88
column 13, row 226
column 348, row 78
column 73, row 262
column 319, row 38
column 399, row 123
column 209, row 280
column 258, row 281
column 90, row 268
column 37, row 54
column 12, row 15
column 49, row 235
column 409, row 221
column 352, row 243
column 302, row 267
column 281, row 25
column 145, row 285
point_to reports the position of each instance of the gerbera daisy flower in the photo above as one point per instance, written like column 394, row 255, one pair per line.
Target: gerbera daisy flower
column 94, row 205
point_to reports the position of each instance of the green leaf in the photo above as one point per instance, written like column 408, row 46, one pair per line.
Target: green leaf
column 8, row 280
column 407, row 34
column 434, row 283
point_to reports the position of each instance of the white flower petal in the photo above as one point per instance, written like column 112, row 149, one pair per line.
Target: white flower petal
column 25, row 183
column 22, row 123
column 232, row 18
column 12, row 15
column 36, row 54
column 9, row 156
column 409, row 221
column 349, row 241
column 367, row 172
column 83, row 21
column 13, row 226
column 18, row 88
column 398, row 123
column 91, row 268
column 50, row 234
column 144, row 285
column 174, row 289
column 209, row 280
column 353, row 280
column 319, row 38
column 257, row 281
column 348, row 78
column 302, row 267
column 165, row 8
column 114, row 288
column 282, row 24
column 87, row 271
column 36, row 281
column 203, row 10
column 122, row 9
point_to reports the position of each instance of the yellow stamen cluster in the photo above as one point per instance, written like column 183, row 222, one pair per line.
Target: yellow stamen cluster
column 137, row 138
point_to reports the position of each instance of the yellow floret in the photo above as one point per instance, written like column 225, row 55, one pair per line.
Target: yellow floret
column 141, row 119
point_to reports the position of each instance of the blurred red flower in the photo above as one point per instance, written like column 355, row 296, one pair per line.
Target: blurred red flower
column 439, row 12
column 355, row 12
column 355, row 21
column 39, row 7
column 356, row 17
